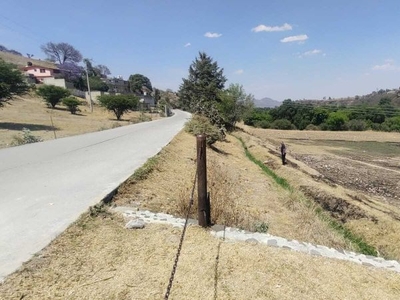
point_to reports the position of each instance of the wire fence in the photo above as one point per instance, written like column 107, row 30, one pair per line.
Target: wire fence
column 171, row 279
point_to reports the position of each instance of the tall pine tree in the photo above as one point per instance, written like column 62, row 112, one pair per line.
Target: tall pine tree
column 199, row 93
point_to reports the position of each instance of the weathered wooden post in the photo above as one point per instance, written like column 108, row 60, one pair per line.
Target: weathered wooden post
column 203, row 212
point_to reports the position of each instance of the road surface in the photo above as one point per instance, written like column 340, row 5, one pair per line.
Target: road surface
column 44, row 187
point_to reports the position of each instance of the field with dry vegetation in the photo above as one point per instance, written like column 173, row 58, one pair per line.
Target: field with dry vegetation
column 96, row 258
column 45, row 123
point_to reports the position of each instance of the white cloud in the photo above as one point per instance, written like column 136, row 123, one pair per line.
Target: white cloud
column 188, row 45
column 238, row 72
column 262, row 27
column 385, row 67
column 312, row 52
column 212, row 35
column 295, row 38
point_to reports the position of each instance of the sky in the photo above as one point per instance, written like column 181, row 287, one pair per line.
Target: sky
column 275, row 48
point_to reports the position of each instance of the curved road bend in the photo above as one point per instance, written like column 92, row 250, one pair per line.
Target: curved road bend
column 44, row 187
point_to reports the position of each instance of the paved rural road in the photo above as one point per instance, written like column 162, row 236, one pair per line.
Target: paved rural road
column 44, row 187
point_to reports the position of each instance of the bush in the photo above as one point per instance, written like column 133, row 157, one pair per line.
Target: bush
column 202, row 125
column 391, row 124
column 27, row 138
column 282, row 124
column 311, row 127
column 337, row 121
column 119, row 104
column 72, row 104
column 262, row 124
column 324, row 127
column 52, row 94
column 357, row 125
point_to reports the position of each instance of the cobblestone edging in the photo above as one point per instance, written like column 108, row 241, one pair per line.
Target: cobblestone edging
column 230, row 233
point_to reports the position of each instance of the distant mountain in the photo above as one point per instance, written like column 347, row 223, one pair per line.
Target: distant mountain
column 266, row 102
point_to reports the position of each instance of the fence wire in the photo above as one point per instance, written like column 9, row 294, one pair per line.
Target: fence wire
column 171, row 279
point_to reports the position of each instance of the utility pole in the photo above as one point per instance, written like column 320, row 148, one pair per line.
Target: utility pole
column 88, row 86
column 203, row 213
column 86, row 61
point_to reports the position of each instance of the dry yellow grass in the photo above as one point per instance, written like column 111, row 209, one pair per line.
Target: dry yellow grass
column 252, row 197
column 98, row 259
column 32, row 113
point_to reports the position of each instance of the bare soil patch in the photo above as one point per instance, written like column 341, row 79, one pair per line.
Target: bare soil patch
column 354, row 175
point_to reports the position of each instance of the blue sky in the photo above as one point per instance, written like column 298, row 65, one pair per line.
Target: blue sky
column 276, row 48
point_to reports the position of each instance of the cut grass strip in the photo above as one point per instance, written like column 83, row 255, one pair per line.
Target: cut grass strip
column 144, row 171
column 362, row 246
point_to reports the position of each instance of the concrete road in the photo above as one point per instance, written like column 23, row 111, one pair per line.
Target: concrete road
column 44, row 187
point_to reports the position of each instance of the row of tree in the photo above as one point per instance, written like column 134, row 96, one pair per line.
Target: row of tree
column 296, row 115
column 68, row 60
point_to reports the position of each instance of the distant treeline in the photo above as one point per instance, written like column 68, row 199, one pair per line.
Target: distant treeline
column 302, row 116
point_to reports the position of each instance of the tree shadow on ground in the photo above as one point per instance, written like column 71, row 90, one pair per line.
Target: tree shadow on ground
column 20, row 126
column 212, row 147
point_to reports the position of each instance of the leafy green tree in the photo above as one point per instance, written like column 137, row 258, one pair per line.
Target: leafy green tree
column 258, row 115
column 337, row 120
column 234, row 105
column 52, row 94
column 96, row 84
column 72, row 104
column 119, row 104
column 12, row 82
column 199, row 92
column 320, row 114
column 137, row 81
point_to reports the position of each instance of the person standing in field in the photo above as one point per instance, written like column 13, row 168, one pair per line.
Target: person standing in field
column 283, row 153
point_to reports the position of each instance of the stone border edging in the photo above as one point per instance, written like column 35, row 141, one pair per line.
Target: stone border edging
column 235, row 234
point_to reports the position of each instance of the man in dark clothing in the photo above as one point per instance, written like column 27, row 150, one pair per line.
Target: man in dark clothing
column 283, row 153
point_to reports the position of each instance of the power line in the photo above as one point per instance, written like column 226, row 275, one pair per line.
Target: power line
column 32, row 34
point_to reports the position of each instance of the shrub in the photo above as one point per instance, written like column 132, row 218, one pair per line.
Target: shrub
column 311, row 127
column 27, row 138
column 357, row 125
column 261, row 227
column 392, row 124
column 262, row 124
column 52, row 94
column 202, row 125
column 119, row 104
column 324, row 127
column 282, row 124
column 337, row 121
column 72, row 104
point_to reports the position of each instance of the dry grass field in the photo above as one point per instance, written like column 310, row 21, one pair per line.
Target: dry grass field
column 32, row 113
column 96, row 258
column 353, row 175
